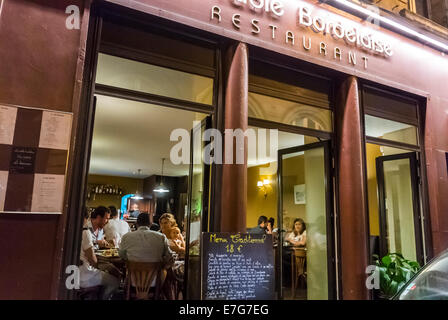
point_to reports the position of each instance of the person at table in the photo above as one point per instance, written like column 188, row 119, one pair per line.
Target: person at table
column 261, row 227
column 115, row 229
column 90, row 275
column 98, row 219
column 271, row 230
column 145, row 245
column 176, row 242
column 167, row 223
column 270, row 226
column 134, row 212
column 298, row 235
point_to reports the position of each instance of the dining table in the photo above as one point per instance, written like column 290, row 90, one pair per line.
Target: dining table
column 109, row 257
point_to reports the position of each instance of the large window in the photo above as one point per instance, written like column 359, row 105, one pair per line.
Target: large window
column 393, row 173
column 150, row 83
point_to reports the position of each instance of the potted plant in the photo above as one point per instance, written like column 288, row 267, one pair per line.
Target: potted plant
column 394, row 271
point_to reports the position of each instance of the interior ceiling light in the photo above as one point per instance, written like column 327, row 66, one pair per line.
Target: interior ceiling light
column 391, row 23
column 161, row 187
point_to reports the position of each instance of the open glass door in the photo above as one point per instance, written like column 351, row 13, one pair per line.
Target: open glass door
column 305, row 219
column 399, row 205
column 198, row 210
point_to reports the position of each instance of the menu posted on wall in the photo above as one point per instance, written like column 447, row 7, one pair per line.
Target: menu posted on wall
column 34, row 147
column 237, row 266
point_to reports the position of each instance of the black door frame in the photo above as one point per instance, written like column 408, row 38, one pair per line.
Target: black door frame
column 331, row 263
column 205, row 215
column 412, row 156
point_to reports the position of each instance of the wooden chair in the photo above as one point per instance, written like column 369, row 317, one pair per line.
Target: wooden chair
column 141, row 275
column 298, row 265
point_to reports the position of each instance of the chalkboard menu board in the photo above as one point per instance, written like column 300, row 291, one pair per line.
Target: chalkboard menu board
column 237, row 266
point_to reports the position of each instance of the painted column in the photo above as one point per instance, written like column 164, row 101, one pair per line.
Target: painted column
column 352, row 192
column 234, row 176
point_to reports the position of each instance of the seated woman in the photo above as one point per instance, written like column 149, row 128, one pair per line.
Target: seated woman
column 298, row 235
column 176, row 242
column 167, row 224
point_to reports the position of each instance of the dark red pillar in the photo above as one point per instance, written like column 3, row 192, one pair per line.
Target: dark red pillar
column 234, row 176
column 352, row 192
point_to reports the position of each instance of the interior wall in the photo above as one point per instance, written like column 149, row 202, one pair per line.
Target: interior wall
column 128, row 185
column 173, row 201
column 373, row 151
column 257, row 204
column 293, row 174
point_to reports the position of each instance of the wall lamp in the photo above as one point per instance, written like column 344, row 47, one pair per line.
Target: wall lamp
column 263, row 185
column 407, row 31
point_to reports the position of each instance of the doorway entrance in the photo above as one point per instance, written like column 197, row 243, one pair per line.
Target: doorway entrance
column 292, row 188
column 395, row 206
column 305, row 216
column 399, row 205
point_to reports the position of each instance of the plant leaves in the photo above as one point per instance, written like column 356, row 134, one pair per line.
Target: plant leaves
column 395, row 271
column 386, row 260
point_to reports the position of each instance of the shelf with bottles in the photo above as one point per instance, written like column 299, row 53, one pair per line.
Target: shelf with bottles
column 104, row 189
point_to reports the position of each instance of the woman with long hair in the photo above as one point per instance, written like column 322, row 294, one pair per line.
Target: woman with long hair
column 298, row 235
column 167, row 223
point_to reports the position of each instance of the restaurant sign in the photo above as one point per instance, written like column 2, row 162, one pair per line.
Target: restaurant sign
column 307, row 18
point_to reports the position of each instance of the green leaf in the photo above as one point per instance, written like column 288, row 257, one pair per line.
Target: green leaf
column 386, row 260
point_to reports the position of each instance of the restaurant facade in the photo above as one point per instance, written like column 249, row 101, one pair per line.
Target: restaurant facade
column 359, row 104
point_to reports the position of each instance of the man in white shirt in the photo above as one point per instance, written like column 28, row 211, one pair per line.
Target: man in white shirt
column 99, row 218
column 115, row 229
column 90, row 275
column 145, row 245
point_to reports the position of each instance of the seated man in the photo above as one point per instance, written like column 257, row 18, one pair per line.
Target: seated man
column 134, row 212
column 115, row 229
column 99, row 218
column 90, row 275
column 145, row 245
column 261, row 228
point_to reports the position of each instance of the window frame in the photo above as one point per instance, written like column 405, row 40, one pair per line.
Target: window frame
column 424, row 237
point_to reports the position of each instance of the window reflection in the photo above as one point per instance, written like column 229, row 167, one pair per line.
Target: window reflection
column 133, row 75
column 390, row 130
column 289, row 112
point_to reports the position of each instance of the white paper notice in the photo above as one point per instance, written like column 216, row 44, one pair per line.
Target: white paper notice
column 8, row 116
column 48, row 193
column 55, row 130
column 3, row 185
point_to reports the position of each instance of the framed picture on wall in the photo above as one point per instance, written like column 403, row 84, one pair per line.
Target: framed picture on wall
column 299, row 194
